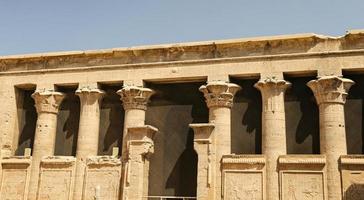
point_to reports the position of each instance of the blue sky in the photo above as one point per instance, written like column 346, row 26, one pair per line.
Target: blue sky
column 29, row 26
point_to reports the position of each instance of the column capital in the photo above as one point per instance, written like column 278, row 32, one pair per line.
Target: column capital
column 219, row 93
column 271, row 86
column 330, row 89
column 134, row 97
column 142, row 136
column 47, row 101
column 89, row 95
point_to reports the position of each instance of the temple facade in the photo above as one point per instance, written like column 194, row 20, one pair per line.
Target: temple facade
column 273, row 118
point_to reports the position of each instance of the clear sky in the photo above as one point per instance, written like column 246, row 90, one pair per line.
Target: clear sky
column 29, row 26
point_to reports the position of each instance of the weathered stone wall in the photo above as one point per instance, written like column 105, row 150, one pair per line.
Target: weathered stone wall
column 212, row 105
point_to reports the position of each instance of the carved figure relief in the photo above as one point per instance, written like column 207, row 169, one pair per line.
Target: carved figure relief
column 249, row 189
column 55, row 185
column 302, row 186
column 13, row 184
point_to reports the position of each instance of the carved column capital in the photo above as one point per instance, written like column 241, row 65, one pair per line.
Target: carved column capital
column 219, row 93
column 134, row 97
column 271, row 89
column 47, row 101
column 330, row 89
column 89, row 95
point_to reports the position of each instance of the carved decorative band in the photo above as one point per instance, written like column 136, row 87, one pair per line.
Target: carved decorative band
column 58, row 160
column 24, row 160
column 243, row 159
column 103, row 160
column 352, row 160
column 302, row 159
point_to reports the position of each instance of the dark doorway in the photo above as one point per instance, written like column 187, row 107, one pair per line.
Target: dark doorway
column 302, row 117
column 246, row 119
column 67, row 122
column 354, row 111
column 111, row 120
column 173, row 166
column 27, row 119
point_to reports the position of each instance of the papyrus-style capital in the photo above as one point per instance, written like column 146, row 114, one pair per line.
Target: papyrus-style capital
column 219, row 93
column 271, row 88
column 89, row 95
column 47, row 101
column 141, row 136
column 330, row 89
column 134, row 97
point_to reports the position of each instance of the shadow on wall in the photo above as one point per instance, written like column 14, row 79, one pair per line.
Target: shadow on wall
column 354, row 192
column 27, row 121
column 68, row 123
column 111, row 122
column 246, row 119
column 302, row 118
column 174, row 162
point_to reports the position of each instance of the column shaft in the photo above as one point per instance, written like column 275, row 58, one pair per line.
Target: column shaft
column 273, row 130
column 219, row 98
column 88, row 133
column 47, row 104
column 330, row 93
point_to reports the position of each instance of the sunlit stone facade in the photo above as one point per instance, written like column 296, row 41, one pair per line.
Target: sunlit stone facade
column 276, row 118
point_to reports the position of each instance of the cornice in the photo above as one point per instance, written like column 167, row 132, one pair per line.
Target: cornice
column 274, row 47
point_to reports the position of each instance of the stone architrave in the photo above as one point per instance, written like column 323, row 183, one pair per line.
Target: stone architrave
column 56, row 179
column 140, row 146
column 250, row 169
column 352, row 176
column 330, row 93
column 273, row 129
column 102, row 178
column 205, row 171
column 15, row 174
column 88, row 132
column 47, row 104
column 302, row 177
column 219, row 99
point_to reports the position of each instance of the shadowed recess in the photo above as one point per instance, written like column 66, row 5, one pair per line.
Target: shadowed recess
column 246, row 119
column 111, row 120
column 173, row 166
column 302, row 117
column 67, row 122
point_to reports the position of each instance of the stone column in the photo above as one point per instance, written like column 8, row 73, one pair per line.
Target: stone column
column 205, row 171
column 135, row 100
column 273, row 130
column 47, row 104
column 219, row 98
column 330, row 93
column 88, row 133
column 139, row 147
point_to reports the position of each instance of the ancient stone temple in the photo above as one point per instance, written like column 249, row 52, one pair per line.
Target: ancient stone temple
column 274, row 118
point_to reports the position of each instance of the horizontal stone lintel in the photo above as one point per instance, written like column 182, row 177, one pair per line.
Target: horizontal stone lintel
column 243, row 159
column 25, row 160
column 302, row 159
column 103, row 161
column 352, row 160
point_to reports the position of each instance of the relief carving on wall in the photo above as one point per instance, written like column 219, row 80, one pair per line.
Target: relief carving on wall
column 305, row 186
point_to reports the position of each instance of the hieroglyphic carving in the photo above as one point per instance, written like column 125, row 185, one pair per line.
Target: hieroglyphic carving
column 55, row 184
column 302, row 185
column 102, row 178
column 249, row 168
column 249, row 189
column 56, row 178
column 15, row 178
